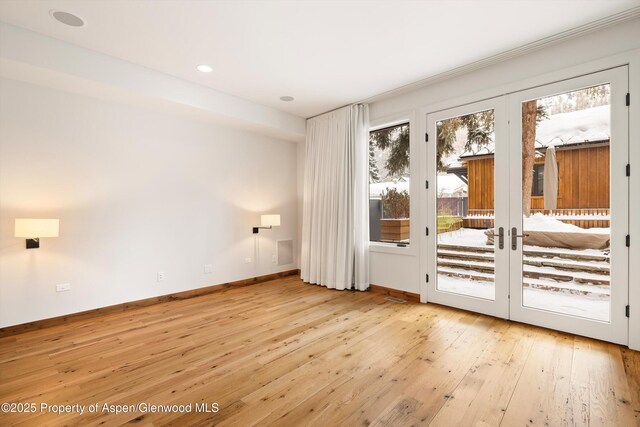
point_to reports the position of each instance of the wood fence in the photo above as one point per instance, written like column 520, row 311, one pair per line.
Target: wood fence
column 483, row 218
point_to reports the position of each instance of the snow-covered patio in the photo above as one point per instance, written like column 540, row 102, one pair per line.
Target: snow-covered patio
column 568, row 281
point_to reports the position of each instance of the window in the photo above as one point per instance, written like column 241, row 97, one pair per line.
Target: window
column 537, row 188
column 389, row 198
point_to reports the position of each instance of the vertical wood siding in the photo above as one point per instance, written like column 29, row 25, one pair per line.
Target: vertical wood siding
column 583, row 183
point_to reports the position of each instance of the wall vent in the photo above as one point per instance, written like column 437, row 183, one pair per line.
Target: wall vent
column 284, row 252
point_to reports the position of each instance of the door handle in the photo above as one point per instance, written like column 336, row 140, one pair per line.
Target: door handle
column 500, row 237
column 514, row 238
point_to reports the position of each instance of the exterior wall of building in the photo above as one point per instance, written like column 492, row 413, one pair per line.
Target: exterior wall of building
column 583, row 182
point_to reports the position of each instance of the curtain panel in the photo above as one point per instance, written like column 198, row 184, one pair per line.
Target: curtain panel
column 335, row 220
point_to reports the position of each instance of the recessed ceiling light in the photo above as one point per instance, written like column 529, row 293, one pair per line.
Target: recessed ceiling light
column 204, row 68
column 287, row 98
column 67, row 18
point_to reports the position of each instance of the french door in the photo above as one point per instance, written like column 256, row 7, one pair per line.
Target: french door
column 468, row 267
column 528, row 212
column 570, row 270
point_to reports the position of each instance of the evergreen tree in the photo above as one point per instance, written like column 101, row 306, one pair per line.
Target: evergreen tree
column 395, row 139
column 479, row 127
column 374, row 172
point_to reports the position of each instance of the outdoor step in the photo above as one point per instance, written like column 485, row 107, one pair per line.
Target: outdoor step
column 478, row 275
column 473, row 275
column 465, row 248
column 538, row 252
column 564, row 265
column 588, row 281
column 475, row 266
column 535, row 272
column 557, row 287
column 465, row 255
column 595, row 269
column 541, row 253
column 549, row 286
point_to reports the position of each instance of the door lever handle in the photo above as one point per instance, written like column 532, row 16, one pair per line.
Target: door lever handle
column 500, row 237
column 514, row 238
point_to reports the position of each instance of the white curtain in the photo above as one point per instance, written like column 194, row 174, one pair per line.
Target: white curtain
column 335, row 219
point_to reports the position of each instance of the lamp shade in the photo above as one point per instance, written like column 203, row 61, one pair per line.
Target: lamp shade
column 270, row 220
column 35, row 228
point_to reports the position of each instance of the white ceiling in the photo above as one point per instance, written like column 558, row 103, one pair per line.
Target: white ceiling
column 324, row 53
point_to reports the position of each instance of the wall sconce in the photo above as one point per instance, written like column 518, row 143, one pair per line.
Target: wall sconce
column 34, row 229
column 268, row 222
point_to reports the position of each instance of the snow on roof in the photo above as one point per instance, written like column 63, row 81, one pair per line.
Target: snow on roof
column 449, row 185
column 377, row 188
column 588, row 125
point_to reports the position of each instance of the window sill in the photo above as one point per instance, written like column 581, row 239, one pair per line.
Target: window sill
column 391, row 248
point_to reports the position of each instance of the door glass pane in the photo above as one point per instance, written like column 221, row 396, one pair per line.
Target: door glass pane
column 465, row 205
column 565, row 203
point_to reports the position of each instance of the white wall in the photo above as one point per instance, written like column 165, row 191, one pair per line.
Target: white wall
column 136, row 192
column 401, row 269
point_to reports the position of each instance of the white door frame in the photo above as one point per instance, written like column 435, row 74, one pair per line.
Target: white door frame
column 500, row 306
column 617, row 329
column 438, row 101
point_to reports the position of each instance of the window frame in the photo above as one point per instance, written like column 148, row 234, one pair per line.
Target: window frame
column 534, row 183
column 536, row 191
column 412, row 248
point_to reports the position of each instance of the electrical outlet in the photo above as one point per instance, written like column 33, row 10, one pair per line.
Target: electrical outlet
column 247, row 260
column 161, row 276
column 208, row 268
column 274, row 259
column 63, row 287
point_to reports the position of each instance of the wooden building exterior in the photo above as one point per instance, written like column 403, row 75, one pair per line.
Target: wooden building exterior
column 583, row 184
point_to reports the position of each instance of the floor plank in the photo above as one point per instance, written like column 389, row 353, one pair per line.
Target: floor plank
column 286, row 353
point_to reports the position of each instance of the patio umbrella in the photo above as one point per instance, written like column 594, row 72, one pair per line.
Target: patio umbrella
column 550, row 180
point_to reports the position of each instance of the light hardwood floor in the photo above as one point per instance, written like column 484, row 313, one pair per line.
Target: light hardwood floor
column 285, row 353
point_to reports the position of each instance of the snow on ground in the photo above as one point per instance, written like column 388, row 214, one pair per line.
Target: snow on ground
column 574, row 305
column 541, row 222
column 593, row 306
column 474, row 238
column 474, row 288
column 535, row 269
column 589, row 307
column 595, row 291
column 597, row 252
column 603, row 265
column 577, row 274
column 464, row 237
column 572, row 287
